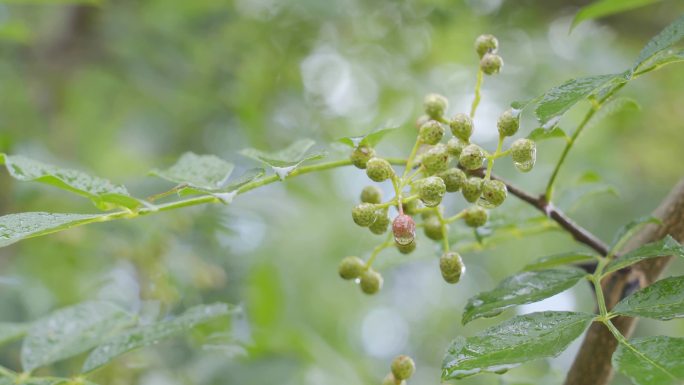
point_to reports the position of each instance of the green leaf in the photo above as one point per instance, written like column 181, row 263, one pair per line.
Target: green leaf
column 543, row 134
column 370, row 140
column 663, row 248
column 612, row 107
column 518, row 340
column 15, row 227
column 669, row 36
column 285, row 161
column 573, row 198
column 661, row 59
column 560, row 260
column 627, row 231
column 12, row 331
column 663, row 300
column 102, row 192
column 524, row 287
column 651, row 360
column 71, row 331
column 605, row 8
column 152, row 334
column 555, row 102
column 205, row 172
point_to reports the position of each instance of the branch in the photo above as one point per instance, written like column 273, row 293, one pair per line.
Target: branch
column 593, row 362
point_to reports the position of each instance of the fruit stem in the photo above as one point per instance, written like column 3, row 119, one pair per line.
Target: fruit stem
column 478, row 86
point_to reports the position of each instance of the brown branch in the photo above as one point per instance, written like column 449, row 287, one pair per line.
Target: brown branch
column 592, row 364
column 579, row 233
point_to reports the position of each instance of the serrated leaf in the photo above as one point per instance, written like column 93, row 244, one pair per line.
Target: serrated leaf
column 540, row 133
column 605, row 8
column 230, row 187
column 669, row 36
column 205, row 172
column 558, row 100
column 663, row 248
column 71, row 331
column 524, row 287
column 627, row 231
column 370, row 140
column 560, row 260
column 15, row 227
column 103, row 193
column 661, row 59
column 651, row 360
column 285, row 161
column 518, row 340
column 663, row 300
column 12, row 331
column 152, row 334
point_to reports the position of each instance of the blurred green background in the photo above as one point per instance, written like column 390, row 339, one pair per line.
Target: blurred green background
column 120, row 87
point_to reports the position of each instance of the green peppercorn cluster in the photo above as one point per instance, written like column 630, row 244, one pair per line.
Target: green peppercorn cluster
column 401, row 369
column 444, row 161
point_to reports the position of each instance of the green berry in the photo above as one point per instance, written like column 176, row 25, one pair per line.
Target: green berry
column 431, row 132
column 508, row 122
column 411, row 207
column 471, row 157
column 453, row 178
column 381, row 223
column 436, row 159
column 371, row 281
column 455, row 146
column 371, row 194
column 403, row 367
column 351, row 267
column 361, row 155
column 493, row 193
column 406, row 249
column 390, row 380
column 491, row 64
column 379, row 169
column 475, row 216
column 431, row 190
column 452, row 267
column 404, row 229
column 433, row 228
column 364, row 214
column 524, row 154
column 435, row 105
column 486, row 44
column 472, row 189
column 461, row 126
column 421, row 120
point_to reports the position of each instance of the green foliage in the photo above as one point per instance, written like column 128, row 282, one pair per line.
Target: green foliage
column 371, row 140
column 520, row 339
column 12, row 331
column 203, row 172
column 15, row 227
column 662, row 300
column 559, row 260
column 662, row 248
column 603, row 8
column 668, row 37
column 651, row 360
column 285, row 161
column 628, row 230
column 521, row 288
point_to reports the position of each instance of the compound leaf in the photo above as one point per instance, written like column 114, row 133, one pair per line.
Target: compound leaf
column 663, row 300
column 285, row 161
column 651, row 360
column 605, row 8
column 662, row 248
column 15, row 227
column 559, row 260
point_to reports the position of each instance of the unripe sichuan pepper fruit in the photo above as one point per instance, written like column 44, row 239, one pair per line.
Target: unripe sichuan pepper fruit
column 432, row 227
column 403, row 367
column 435, row 105
column 461, row 126
column 351, row 267
column 364, row 214
column 406, row 249
column 391, row 380
column 451, row 266
column 361, row 155
column 508, row 123
column 435, row 159
column 371, row 281
column 471, row 157
column 381, row 223
column 524, row 154
column 453, row 178
column 431, row 132
column 431, row 190
column 475, row 216
column 455, row 146
column 404, row 229
column 371, row 194
column 379, row 169
column 486, row 44
column 493, row 193
column 472, row 189
column 491, row 64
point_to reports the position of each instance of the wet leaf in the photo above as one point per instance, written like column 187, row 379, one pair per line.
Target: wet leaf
column 205, row 172
column 651, row 360
column 661, row 59
column 627, row 231
column 15, row 227
column 518, row 340
column 152, row 334
column 541, row 133
column 285, row 161
column 103, row 193
column 71, row 331
column 558, row 100
column 669, row 36
column 522, row 288
column 605, row 8
column 12, row 331
column 663, row 300
column 663, row 248
column 371, row 140
column 560, row 260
